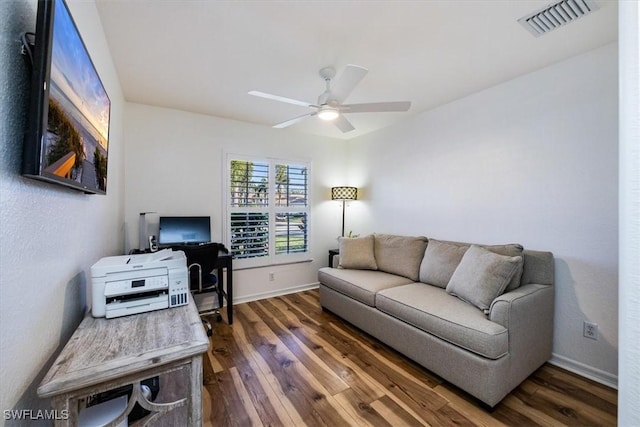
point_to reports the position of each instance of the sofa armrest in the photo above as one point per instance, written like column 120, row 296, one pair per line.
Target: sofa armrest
column 533, row 298
column 527, row 313
column 335, row 261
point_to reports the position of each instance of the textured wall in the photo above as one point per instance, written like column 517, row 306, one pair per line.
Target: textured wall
column 50, row 235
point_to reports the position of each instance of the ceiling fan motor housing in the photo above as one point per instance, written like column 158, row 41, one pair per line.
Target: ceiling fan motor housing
column 327, row 73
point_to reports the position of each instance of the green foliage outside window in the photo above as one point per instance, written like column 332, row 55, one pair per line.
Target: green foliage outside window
column 68, row 137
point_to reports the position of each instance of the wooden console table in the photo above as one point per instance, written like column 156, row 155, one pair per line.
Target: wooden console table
column 104, row 354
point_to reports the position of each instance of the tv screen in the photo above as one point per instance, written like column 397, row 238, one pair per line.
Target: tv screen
column 68, row 135
column 180, row 230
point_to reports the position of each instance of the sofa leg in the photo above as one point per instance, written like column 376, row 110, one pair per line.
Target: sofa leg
column 486, row 407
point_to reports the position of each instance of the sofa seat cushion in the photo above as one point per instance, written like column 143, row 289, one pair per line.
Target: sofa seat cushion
column 434, row 311
column 361, row 285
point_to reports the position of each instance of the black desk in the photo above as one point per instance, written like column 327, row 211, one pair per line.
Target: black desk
column 225, row 261
column 225, row 293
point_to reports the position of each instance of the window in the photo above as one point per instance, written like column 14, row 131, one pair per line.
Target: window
column 267, row 210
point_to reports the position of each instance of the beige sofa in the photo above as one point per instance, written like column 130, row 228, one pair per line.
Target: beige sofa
column 480, row 317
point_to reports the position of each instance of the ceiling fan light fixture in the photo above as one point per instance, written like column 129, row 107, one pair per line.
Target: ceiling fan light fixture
column 328, row 113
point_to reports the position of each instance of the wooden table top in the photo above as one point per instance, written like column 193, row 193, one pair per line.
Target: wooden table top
column 103, row 349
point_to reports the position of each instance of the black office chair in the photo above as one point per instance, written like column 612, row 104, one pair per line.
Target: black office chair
column 201, row 261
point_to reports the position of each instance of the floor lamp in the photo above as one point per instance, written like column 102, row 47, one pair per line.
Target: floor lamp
column 344, row 194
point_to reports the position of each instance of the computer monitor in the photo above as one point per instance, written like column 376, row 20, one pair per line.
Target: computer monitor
column 184, row 230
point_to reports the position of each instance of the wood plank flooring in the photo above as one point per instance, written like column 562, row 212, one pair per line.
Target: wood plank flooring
column 286, row 362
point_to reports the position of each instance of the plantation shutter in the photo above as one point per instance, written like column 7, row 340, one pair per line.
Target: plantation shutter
column 291, row 206
column 249, row 215
column 267, row 210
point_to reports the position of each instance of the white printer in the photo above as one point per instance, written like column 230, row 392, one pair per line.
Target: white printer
column 131, row 284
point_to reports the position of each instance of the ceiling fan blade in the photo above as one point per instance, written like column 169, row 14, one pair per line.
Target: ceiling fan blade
column 374, row 107
column 280, row 98
column 294, row 120
column 343, row 124
column 348, row 80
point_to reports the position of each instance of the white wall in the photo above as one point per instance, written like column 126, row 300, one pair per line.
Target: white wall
column 50, row 236
column 174, row 166
column 532, row 160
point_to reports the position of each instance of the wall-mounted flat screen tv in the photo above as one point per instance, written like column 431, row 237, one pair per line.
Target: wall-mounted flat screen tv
column 67, row 138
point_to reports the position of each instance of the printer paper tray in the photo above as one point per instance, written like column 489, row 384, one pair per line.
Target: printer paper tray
column 125, row 308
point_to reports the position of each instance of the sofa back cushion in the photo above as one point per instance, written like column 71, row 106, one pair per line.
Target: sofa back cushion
column 538, row 267
column 441, row 260
column 357, row 253
column 399, row 255
column 482, row 276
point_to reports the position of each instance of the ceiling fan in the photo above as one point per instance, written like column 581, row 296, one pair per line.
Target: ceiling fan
column 330, row 105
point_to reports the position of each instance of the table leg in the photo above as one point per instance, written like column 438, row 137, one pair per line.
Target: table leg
column 195, row 401
column 230, row 292
column 65, row 415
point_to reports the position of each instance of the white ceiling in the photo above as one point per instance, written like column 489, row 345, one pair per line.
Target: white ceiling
column 203, row 56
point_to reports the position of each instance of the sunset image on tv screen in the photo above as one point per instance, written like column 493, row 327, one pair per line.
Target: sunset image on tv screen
column 78, row 120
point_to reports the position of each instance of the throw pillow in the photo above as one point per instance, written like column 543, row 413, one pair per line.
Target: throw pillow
column 440, row 261
column 482, row 276
column 399, row 255
column 357, row 253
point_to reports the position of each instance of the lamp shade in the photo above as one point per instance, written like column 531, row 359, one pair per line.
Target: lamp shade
column 344, row 193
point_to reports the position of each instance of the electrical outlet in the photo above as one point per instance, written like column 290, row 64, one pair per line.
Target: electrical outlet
column 271, row 276
column 590, row 330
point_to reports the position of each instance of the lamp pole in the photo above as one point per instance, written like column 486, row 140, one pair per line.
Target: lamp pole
column 344, row 202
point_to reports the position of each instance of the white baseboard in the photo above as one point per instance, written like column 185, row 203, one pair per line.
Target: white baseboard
column 206, row 300
column 279, row 292
column 586, row 371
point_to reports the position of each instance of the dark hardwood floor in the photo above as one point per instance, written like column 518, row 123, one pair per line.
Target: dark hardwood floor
column 286, row 362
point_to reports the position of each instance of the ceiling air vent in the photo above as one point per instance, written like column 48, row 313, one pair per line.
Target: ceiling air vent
column 557, row 15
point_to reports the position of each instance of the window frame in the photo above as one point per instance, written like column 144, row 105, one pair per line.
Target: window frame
column 272, row 258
